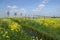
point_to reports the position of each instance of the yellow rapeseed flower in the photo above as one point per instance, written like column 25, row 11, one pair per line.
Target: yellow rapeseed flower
column 7, row 36
column 46, row 24
column 14, row 26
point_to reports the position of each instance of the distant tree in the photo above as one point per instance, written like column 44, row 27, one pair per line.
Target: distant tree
column 15, row 14
column 8, row 13
column 21, row 14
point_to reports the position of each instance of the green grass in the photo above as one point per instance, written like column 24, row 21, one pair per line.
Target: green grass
column 37, row 25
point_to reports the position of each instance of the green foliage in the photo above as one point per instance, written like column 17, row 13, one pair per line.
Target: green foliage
column 7, row 34
column 28, row 25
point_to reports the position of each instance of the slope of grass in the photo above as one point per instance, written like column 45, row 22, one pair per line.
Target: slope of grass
column 10, row 30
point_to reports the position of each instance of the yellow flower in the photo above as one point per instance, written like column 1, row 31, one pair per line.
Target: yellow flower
column 46, row 24
column 14, row 26
column 3, row 35
column 7, row 36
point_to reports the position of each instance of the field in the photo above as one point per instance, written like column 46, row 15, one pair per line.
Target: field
column 29, row 28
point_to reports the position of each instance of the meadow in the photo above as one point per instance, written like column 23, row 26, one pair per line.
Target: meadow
column 13, row 28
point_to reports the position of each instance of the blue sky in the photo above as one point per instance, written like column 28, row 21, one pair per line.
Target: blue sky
column 37, row 7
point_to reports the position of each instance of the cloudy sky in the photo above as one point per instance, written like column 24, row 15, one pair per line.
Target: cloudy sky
column 33, row 7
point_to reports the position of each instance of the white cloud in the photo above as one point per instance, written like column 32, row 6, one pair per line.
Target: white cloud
column 40, row 6
column 13, row 9
column 45, row 1
column 12, row 6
